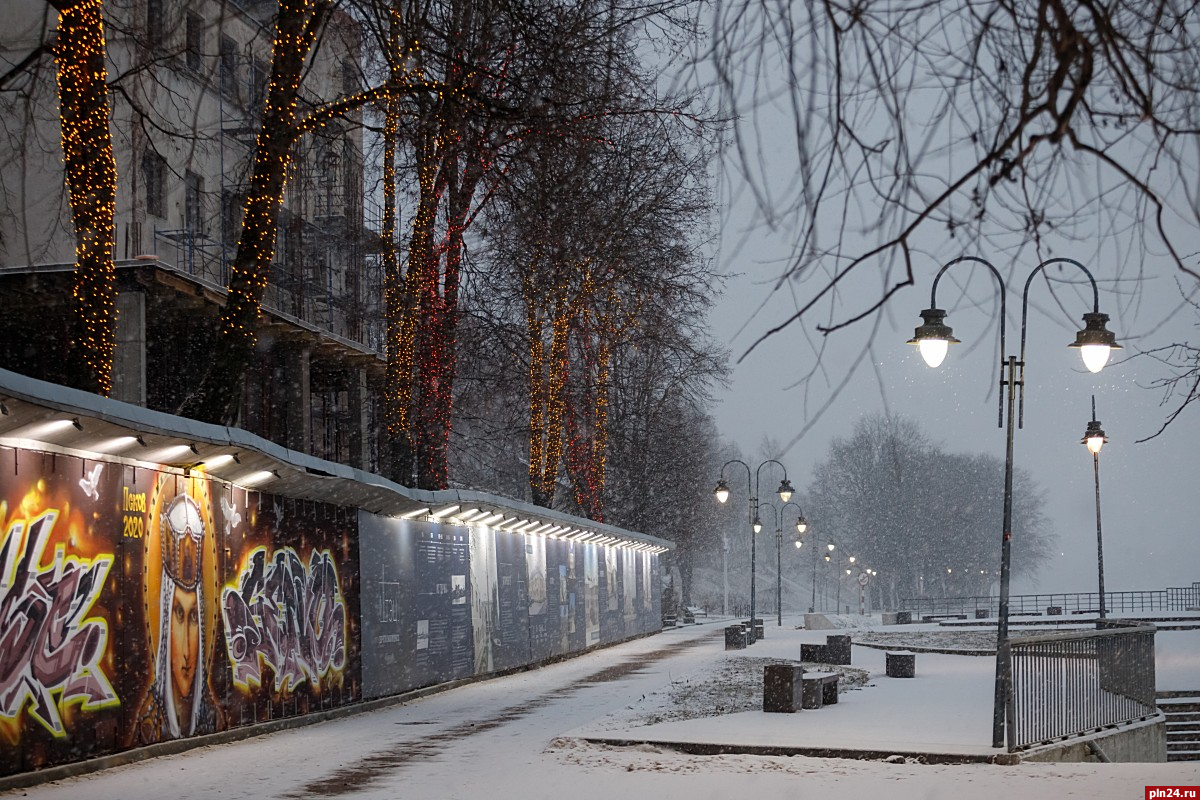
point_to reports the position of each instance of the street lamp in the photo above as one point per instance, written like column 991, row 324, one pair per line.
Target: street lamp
column 813, row 607
column 801, row 527
column 1094, row 438
column 1095, row 343
column 721, row 492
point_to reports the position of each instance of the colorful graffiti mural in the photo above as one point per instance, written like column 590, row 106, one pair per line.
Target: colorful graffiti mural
column 50, row 649
column 140, row 605
column 286, row 617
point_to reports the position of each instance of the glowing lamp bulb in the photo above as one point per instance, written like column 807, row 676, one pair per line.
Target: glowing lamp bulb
column 1095, row 356
column 934, row 351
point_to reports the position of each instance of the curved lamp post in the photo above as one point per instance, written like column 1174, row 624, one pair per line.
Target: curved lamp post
column 1095, row 343
column 801, row 527
column 830, row 546
column 1094, row 438
column 722, row 492
column 837, row 605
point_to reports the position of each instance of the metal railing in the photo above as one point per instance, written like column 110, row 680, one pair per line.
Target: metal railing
column 1076, row 682
column 1180, row 598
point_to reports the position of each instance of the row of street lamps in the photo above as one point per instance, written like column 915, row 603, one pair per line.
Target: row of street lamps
column 1095, row 343
column 933, row 337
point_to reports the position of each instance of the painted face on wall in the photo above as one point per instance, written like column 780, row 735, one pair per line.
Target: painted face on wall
column 185, row 640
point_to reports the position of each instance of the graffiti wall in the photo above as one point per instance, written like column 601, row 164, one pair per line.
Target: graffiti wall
column 138, row 606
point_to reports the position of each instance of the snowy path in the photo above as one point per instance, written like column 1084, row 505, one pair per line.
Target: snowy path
column 501, row 739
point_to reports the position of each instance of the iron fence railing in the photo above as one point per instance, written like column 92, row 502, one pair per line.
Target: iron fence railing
column 1075, row 682
column 1179, row 598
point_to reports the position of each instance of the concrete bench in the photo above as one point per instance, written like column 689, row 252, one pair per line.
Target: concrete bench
column 814, row 653
column 759, row 628
column 782, row 691
column 836, row 650
column 735, row 637
column 900, row 664
column 940, row 617
column 820, row 689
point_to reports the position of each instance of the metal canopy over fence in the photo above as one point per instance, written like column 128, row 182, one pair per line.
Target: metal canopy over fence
column 57, row 418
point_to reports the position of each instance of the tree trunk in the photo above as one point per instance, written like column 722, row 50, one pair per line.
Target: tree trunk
column 91, row 177
column 547, row 388
column 219, row 395
column 398, row 300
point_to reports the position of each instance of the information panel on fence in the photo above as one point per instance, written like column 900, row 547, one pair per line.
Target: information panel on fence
column 442, row 602
column 139, row 605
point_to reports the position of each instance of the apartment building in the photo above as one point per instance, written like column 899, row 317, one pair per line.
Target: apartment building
column 188, row 82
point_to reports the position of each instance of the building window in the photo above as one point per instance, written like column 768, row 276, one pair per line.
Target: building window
column 154, row 23
column 229, row 69
column 231, row 217
column 194, row 41
column 193, row 203
column 350, row 83
column 154, row 177
column 259, row 78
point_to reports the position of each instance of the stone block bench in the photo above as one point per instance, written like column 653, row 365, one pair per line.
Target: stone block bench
column 820, row 689
column 836, row 650
column 782, row 688
column 735, row 637
column 900, row 664
column 787, row 688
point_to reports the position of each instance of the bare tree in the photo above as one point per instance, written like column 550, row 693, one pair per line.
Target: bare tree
column 926, row 519
column 913, row 122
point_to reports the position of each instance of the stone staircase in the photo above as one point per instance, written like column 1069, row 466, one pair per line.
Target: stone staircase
column 1182, row 709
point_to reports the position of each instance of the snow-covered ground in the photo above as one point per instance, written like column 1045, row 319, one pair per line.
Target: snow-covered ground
column 523, row 736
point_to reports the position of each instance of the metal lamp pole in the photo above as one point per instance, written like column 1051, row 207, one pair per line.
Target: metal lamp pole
column 801, row 527
column 933, row 337
column 785, row 492
column 1094, row 438
column 778, row 562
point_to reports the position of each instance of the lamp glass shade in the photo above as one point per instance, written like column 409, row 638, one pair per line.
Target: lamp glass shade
column 801, row 525
column 1094, row 437
column 721, row 492
column 1095, row 341
column 933, row 337
column 799, row 544
column 934, row 351
column 785, row 490
column 831, row 547
column 1095, row 356
column 757, row 525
